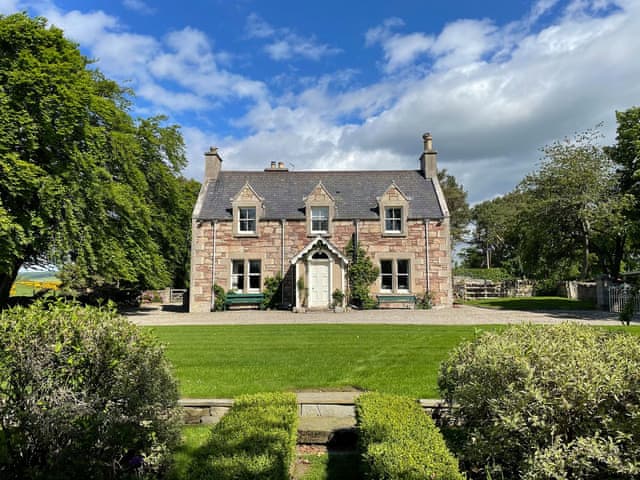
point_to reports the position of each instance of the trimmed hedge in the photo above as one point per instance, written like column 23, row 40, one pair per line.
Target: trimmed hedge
column 399, row 441
column 255, row 440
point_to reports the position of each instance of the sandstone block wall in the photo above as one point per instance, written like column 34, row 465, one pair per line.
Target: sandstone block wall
column 268, row 248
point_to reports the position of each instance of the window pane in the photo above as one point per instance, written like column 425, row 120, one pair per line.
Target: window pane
column 403, row 266
column 319, row 219
column 386, row 275
column 254, row 274
column 254, row 266
column 386, row 266
column 393, row 219
column 247, row 219
column 403, row 274
column 238, row 267
column 237, row 275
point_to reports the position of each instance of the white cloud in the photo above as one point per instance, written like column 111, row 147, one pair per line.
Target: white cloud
column 399, row 50
column 138, row 6
column 489, row 114
column 286, row 44
column 9, row 6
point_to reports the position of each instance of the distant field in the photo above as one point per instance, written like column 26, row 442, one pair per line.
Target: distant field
column 29, row 282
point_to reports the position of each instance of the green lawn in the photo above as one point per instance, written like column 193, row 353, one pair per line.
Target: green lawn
column 193, row 439
column 532, row 303
column 225, row 361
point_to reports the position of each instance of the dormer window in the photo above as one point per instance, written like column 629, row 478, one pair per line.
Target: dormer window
column 247, row 211
column 393, row 206
column 319, row 219
column 247, row 219
column 393, row 220
column 320, row 208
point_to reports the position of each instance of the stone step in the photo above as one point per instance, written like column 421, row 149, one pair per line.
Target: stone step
column 333, row 431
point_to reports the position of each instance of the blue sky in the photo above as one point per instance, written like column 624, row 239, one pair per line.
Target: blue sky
column 354, row 85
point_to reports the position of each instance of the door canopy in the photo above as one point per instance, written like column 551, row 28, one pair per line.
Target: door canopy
column 319, row 243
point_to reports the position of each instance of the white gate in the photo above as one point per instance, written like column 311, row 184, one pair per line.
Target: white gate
column 620, row 296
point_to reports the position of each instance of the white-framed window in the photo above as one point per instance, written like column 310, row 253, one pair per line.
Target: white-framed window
column 319, row 219
column 237, row 275
column 254, row 275
column 246, row 275
column 395, row 276
column 247, row 219
column 393, row 219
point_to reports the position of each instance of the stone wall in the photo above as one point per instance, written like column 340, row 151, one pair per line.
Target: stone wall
column 268, row 248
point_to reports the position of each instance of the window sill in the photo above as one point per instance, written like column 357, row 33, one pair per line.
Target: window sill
column 394, row 234
column 246, row 235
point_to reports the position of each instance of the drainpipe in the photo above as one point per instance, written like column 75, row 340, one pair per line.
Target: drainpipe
column 282, row 225
column 214, row 223
column 426, row 249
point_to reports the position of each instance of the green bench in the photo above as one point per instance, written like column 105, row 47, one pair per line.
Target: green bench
column 243, row 299
column 396, row 299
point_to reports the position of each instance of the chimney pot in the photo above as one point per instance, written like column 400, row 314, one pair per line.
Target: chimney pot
column 428, row 142
column 273, row 164
column 280, row 164
column 428, row 165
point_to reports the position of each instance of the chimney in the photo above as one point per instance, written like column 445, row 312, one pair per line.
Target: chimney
column 428, row 165
column 212, row 164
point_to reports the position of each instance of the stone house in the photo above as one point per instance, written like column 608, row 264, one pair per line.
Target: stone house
column 251, row 225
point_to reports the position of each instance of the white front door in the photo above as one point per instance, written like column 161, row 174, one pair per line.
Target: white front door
column 319, row 284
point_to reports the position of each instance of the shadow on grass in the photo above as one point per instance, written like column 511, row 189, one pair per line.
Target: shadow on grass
column 343, row 465
column 533, row 304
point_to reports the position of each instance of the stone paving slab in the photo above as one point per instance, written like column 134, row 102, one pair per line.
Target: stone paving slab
column 324, row 430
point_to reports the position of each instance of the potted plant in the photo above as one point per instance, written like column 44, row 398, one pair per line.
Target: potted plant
column 338, row 298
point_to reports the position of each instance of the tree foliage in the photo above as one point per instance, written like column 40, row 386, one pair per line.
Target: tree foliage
column 362, row 273
column 571, row 218
column 456, row 198
column 83, row 394
column 81, row 182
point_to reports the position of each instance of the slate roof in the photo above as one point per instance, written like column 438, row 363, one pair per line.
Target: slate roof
column 355, row 193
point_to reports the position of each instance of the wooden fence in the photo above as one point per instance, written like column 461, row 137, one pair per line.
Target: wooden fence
column 471, row 289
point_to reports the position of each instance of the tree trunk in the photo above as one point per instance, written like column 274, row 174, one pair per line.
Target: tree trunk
column 6, row 281
column 585, row 267
column 618, row 253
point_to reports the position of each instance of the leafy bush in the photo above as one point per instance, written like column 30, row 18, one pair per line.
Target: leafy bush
column 220, row 296
column 496, row 275
column 255, row 440
column 272, row 291
column 338, row 297
column 362, row 273
column 426, row 302
column 83, row 394
column 400, row 441
column 557, row 401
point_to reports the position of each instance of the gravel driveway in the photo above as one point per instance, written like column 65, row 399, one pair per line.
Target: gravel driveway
column 463, row 315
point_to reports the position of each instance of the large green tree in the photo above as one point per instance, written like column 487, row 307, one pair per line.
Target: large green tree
column 81, row 182
column 456, row 198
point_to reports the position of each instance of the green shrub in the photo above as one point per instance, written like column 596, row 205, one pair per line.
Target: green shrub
column 425, row 302
column 496, row 275
column 272, row 291
column 255, row 440
column 83, row 394
column 555, row 399
column 220, row 296
column 400, row 441
column 362, row 273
